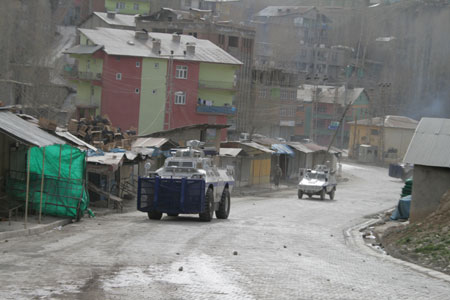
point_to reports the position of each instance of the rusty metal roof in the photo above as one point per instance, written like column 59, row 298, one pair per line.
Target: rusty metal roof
column 24, row 131
column 123, row 43
column 430, row 143
column 300, row 147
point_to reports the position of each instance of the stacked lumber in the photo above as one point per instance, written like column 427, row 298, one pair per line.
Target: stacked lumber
column 100, row 133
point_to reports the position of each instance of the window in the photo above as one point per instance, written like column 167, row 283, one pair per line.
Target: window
column 117, row 57
column 187, row 3
column 180, row 98
column 233, row 41
column 138, row 64
column 221, row 39
column 181, row 72
column 118, row 76
column 136, row 90
column 136, row 6
column 322, row 108
column 374, row 131
column 120, row 5
column 262, row 93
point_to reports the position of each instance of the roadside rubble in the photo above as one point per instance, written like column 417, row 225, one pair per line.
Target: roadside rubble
column 426, row 243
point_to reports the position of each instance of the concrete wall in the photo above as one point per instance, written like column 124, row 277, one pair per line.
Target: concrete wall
column 399, row 139
column 430, row 183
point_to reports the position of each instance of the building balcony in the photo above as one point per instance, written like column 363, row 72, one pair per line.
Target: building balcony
column 216, row 110
column 216, row 85
column 89, row 76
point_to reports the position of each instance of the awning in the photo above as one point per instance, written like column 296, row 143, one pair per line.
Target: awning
column 230, row 152
column 282, row 149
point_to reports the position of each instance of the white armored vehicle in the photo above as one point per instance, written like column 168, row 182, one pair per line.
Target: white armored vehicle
column 188, row 183
column 320, row 181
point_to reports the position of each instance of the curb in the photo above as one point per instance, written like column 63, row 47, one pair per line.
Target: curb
column 351, row 236
column 33, row 231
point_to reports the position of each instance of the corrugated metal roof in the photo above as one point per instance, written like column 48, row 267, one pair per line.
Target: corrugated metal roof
column 328, row 94
column 83, row 49
column 300, row 147
column 118, row 20
column 233, row 152
column 258, row 147
column 123, row 42
column 131, row 155
column 277, row 11
column 430, row 144
column 389, row 122
column 282, row 149
column 111, row 159
column 73, row 139
column 149, row 142
column 26, row 132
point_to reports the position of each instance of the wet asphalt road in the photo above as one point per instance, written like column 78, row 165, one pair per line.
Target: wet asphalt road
column 272, row 247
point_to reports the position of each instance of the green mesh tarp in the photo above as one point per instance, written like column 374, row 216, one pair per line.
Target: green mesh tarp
column 63, row 187
column 64, row 170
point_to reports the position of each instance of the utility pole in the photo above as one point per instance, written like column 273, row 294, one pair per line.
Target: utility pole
column 345, row 103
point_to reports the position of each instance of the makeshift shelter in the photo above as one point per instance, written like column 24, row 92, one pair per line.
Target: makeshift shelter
column 41, row 173
column 254, row 165
column 283, row 156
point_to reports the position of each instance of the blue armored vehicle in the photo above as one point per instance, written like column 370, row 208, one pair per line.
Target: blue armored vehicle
column 188, row 183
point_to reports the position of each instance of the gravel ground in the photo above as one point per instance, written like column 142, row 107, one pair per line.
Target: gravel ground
column 272, row 247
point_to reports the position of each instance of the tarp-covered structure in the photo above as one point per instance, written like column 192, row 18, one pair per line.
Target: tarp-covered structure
column 50, row 176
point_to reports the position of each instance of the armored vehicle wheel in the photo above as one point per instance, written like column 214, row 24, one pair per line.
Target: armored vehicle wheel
column 300, row 194
column 309, row 196
column 322, row 194
column 207, row 215
column 172, row 215
column 331, row 194
column 154, row 215
column 224, row 205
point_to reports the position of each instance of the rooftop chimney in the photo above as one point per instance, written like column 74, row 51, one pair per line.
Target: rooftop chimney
column 190, row 48
column 156, row 48
column 176, row 38
column 141, row 35
column 111, row 14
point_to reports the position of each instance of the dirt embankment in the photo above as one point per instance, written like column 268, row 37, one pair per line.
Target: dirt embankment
column 426, row 243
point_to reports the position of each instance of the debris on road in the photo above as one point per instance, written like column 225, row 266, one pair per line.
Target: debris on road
column 235, row 253
column 180, row 269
